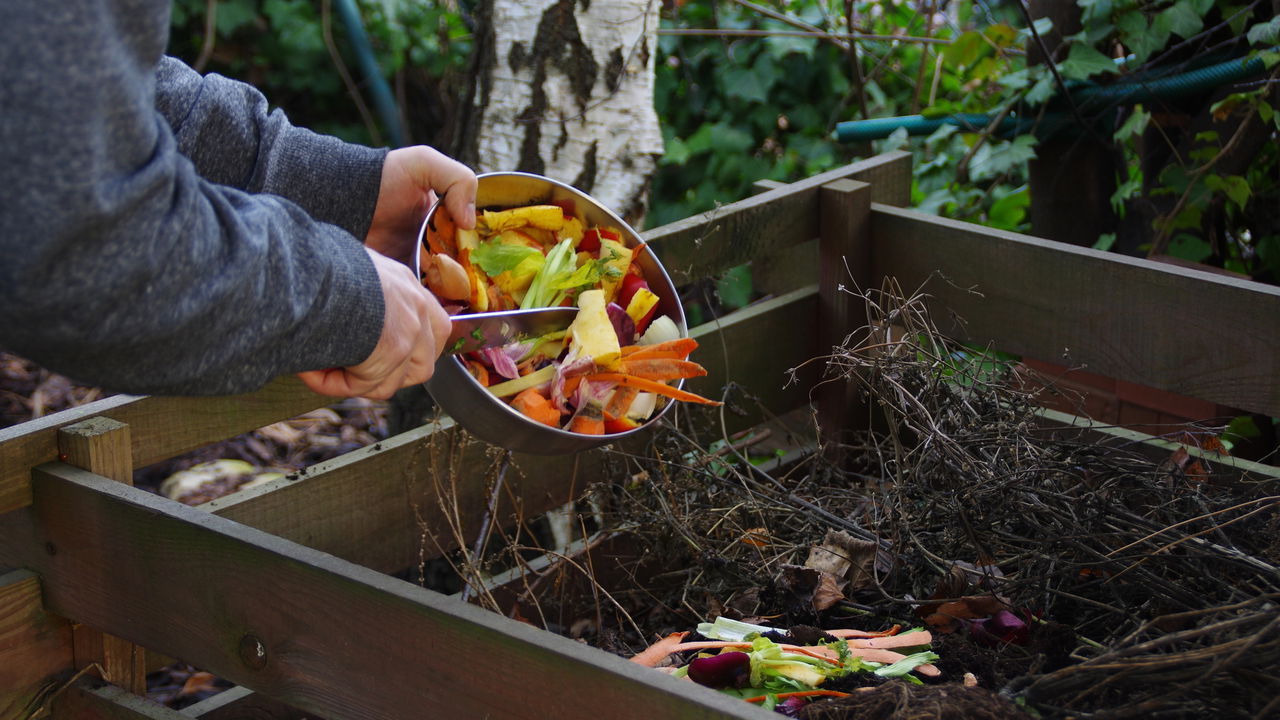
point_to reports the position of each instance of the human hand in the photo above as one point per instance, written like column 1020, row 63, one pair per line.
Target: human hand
column 411, row 177
column 414, row 332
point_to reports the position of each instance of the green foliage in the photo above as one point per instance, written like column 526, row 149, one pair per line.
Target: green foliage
column 735, row 110
column 280, row 47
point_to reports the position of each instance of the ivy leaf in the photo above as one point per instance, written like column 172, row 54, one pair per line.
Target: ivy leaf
column 1181, row 19
column 1010, row 211
column 1042, row 90
column 1105, row 242
column 1042, row 27
column 745, row 84
column 1233, row 186
column 965, row 50
column 1189, row 247
column 1083, row 61
column 1267, row 33
column 1134, row 125
column 232, row 15
column 994, row 159
column 1142, row 38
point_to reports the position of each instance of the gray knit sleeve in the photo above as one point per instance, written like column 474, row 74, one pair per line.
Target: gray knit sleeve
column 121, row 265
column 227, row 130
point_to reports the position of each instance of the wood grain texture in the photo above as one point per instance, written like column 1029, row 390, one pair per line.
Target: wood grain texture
column 35, row 646
column 386, row 505
column 707, row 244
column 1187, row 331
column 241, row 703
column 371, row 506
column 844, row 271
column 102, row 446
column 754, row 350
column 88, row 699
column 314, row 631
column 161, row 428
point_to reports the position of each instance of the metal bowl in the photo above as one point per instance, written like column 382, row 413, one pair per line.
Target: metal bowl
column 464, row 398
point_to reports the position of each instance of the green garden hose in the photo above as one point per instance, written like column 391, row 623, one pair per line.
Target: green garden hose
column 1088, row 97
column 383, row 101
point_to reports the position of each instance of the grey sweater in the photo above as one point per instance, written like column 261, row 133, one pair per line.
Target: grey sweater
column 164, row 232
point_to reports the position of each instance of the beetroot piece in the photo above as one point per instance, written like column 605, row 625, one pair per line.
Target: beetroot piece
column 791, row 706
column 1003, row 627
column 720, row 671
column 623, row 325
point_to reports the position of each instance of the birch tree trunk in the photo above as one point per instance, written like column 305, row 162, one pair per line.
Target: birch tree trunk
column 564, row 88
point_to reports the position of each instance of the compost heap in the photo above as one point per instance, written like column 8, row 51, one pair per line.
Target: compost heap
column 1054, row 572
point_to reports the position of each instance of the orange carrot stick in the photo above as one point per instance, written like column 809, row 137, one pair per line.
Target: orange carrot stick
column 800, row 693
column 442, row 233
column 588, row 421
column 662, row 369
column 479, row 372
column 620, row 402
column 818, row 653
column 911, row 639
column 535, row 405
column 848, row 633
column 651, row 386
column 654, row 654
column 680, row 346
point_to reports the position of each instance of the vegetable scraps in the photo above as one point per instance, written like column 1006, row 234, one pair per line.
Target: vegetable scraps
column 748, row 661
column 610, row 371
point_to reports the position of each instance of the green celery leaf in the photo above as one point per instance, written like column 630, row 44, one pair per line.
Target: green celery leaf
column 496, row 257
column 907, row 664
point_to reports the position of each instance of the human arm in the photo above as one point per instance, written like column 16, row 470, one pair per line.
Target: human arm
column 233, row 138
column 119, row 264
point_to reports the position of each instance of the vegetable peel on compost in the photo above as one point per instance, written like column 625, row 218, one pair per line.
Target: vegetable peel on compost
column 750, row 662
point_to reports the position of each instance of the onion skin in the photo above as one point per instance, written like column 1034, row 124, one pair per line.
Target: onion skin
column 446, row 278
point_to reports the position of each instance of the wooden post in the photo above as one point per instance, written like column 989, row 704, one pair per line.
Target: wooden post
column 844, row 273
column 1072, row 177
column 102, row 446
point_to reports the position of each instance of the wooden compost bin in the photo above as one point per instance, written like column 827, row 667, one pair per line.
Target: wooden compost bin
column 284, row 589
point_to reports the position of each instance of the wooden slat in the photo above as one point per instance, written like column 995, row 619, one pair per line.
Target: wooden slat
column 360, row 506
column 314, row 631
column 1155, row 448
column 162, row 427
column 1187, row 331
column 101, row 446
column 241, row 703
column 35, row 646
column 89, row 699
column 707, row 244
column 754, row 349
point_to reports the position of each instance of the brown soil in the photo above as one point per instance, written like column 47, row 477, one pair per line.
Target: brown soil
column 899, row 700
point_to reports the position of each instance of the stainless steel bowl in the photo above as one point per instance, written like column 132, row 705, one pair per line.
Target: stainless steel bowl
column 465, row 399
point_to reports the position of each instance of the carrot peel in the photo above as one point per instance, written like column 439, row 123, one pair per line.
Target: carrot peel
column 652, row 386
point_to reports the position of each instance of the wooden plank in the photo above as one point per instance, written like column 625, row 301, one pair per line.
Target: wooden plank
column 755, row 349
column 844, row 247
column 1172, row 328
column 241, row 703
column 315, row 631
column 101, row 446
column 370, row 506
column 90, row 699
column 1158, row 449
column 162, row 427
column 35, row 646
column 707, row 244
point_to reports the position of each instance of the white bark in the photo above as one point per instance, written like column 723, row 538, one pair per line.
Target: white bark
column 535, row 96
